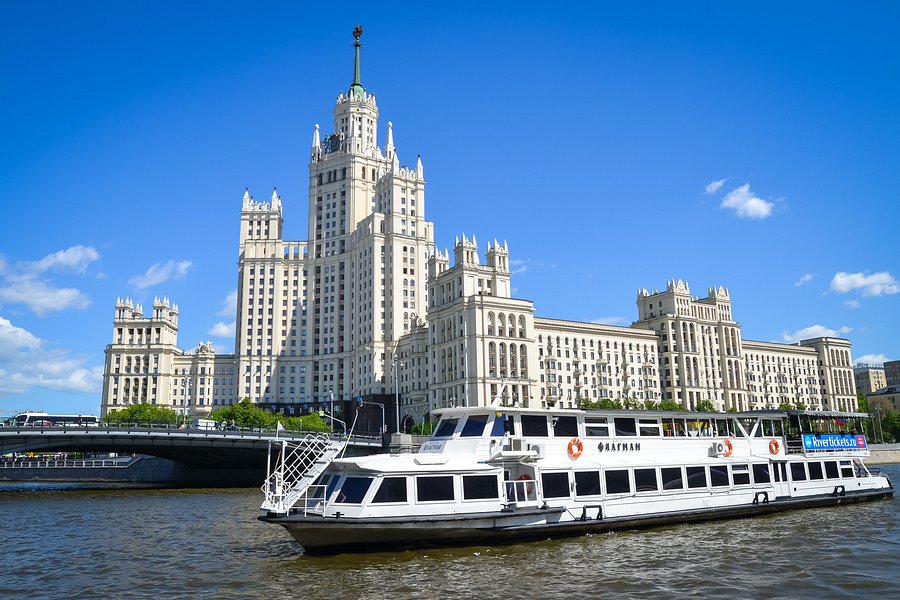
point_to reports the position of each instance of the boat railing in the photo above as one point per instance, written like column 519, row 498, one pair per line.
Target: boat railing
column 294, row 469
column 312, row 500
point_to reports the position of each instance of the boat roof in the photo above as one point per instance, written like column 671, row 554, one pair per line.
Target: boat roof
column 651, row 414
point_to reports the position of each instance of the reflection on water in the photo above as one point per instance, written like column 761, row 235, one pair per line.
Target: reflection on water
column 63, row 540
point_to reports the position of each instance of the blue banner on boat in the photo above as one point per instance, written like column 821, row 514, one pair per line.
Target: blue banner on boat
column 832, row 441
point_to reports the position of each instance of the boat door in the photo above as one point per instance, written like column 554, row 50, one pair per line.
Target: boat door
column 520, row 487
column 780, row 479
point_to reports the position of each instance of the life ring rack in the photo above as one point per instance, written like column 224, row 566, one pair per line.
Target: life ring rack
column 576, row 447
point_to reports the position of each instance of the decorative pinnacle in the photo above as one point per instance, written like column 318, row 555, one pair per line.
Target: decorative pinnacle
column 356, row 88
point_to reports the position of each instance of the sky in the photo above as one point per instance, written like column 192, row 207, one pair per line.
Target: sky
column 614, row 147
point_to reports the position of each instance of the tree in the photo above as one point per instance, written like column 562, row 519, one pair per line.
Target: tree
column 785, row 406
column 632, row 404
column 705, row 406
column 862, row 402
column 143, row 414
column 607, row 403
column 426, row 428
column 245, row 414
column 669, row 405
column 651, row 405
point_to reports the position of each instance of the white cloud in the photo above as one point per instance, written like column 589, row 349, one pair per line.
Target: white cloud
column 26, row 362
column 852, row 304
column 221, row 329
column 714, row 186
column 75, row 258
column 746, row 204
column 871, row 359
column 876, row 284
column 610, row 320
column 517, row 267
column 39, row 296
column 229, row 305
column 805, row 279
column 814, row 331
column 160, row 272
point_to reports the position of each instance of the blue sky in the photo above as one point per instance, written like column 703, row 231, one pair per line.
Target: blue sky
column 613, row 147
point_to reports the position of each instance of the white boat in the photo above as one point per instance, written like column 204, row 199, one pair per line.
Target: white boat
column 499, row 474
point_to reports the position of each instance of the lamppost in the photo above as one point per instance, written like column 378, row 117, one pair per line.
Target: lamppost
column 396, row 363
column 362, row 402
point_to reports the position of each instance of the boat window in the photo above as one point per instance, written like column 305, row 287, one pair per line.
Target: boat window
column 648, row 427
column 534, row 425
column 696, row 477
column 718, row 475
column 698, row 427
column 846, row 469
column 617, row 482
column 645, row 480
column 446, row 428
column 761, row 473
column 671, row 478
column 625, row 427
column 722, row 427
column 354, row 490
column 555, row 485
column 768, row 428
column 587, row 483
column 565, row 426
column 798, row 473
column 392, row 489
column 474, row 426
column 502, row 424
column 815, row 470
column 740, row 474
column 673, row 427
column 596, row 427
column 779, row 427
column 480, row 487
column 831, row 469
column 432, row 489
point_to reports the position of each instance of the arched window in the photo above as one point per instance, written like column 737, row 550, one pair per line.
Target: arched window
column 490, row 325
column 521, row 326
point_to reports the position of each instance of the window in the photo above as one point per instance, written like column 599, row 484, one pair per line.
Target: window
column 761, row 473
column 846, row 469
column 617, row 482
column 649, row 428
column 718, row 475
column 446, row 428
column 696, row 477
column 479, row 487
column 645, row 480
column 625, row 427
column 392, row 489
column 433, row 489
column 671, row 478
column 354, row 490
column 534, row 425
column 740, row 474
column 565, row 427
column 587, row 483
column 831, row 469
column 474, row 426
column 798, row 472
column 556, row 485
column 596, row 427
column 815, row 470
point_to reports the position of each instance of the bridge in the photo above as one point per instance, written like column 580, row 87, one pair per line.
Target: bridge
column 226, row 456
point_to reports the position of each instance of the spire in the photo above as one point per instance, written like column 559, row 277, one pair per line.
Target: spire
column 316, row 143
column 356, row 88
column 389, row 147
column 420, row 171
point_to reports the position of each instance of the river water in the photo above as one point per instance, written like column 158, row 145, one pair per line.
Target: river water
column 68, row 541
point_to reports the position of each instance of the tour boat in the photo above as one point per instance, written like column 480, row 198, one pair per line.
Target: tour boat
column 497, row 474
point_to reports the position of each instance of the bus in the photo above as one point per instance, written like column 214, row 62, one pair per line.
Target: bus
column 42, row 419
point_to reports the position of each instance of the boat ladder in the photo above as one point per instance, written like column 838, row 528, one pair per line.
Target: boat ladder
column 295, row 468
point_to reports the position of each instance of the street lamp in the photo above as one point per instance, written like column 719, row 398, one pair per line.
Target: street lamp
column 396, row 363
column 362, row 402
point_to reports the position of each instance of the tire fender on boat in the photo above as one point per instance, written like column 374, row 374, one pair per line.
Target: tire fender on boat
column 575, row 447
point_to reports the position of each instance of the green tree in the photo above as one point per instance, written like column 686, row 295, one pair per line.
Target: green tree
column 891, row 425
column 705, row 406
column 785, row 406
column 609, row 403
column 426, row 428
column 143, row 414
column 632, row 404
column 670, row 405
column 245, row 414
column 651, row 405
column 862, row 402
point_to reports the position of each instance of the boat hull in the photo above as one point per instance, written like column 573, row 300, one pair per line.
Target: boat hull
column 333, row 535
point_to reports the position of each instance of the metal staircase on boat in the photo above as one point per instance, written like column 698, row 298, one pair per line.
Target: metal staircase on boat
column 295, row 468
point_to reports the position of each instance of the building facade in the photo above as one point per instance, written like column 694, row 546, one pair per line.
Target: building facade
column 366, row 308
column 869, row 378
column 892, row 372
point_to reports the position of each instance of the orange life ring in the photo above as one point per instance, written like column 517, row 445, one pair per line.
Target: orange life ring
column 729, row 448
column 773, row 447
column 575, row 447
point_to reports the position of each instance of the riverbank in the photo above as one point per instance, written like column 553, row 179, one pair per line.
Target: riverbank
column 883, row 454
